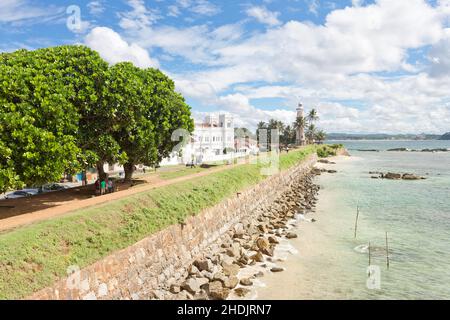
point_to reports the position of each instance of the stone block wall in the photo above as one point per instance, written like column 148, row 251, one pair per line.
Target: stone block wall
column 137, row 272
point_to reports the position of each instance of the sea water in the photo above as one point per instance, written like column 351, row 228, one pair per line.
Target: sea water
column 333, row 264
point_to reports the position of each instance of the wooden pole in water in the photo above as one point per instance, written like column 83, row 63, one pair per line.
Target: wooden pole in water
column 356, row 221
column 387, row 251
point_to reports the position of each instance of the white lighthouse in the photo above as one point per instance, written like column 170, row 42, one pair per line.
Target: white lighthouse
column 301, row 139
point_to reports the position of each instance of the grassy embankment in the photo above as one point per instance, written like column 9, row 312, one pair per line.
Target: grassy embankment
column 33, row 257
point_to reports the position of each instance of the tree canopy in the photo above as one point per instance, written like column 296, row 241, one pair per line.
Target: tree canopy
column 64, row 109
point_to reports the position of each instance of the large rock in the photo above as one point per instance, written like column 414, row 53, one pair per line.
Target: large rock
column 230, row 282
column 262, row 244
column 234, row 251
column 392, row 176
column 291, row 235
column 258, row 257
column 217, row 291
column 204, row 265
column 408, row 176
column 246, row 282
column 230, row 270
column 192, row 285
column 242, row 292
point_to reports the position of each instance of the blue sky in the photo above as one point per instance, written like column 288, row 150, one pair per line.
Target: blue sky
column 367, row 66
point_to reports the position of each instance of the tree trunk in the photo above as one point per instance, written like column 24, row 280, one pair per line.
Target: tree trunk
column 101, row 171
column 84, row 178
column 129, row 169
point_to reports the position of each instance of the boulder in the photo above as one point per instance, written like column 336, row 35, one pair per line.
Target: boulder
column 230, row 269
column 241, row 292
column 408, row 176
column 273, row 240
column 230, row 282
column 392, row 176
column 216, row 290
column 262, row 244
column 193, row 270
column 246, row 282
column 291, row 235
column 258, row 257
column 204, row 265
column 192, row 285
column 277, row 269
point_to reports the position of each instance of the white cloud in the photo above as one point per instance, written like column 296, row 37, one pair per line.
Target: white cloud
column 440, row 57
column 174, row 11
column 140, row 17
column 330, row 66
column 96, row 7
column 263, row 15
column 15, row 11
column 114, row 49
column 203, row 7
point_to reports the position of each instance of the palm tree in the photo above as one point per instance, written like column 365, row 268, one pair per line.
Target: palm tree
column 261, row 125
column 300, row 122
column 312, row 115
column 311, row 133
column 320, row 136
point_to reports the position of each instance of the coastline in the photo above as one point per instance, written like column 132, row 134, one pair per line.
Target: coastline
column 300, row 280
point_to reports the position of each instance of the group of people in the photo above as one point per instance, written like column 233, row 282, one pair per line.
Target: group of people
column 103, row 186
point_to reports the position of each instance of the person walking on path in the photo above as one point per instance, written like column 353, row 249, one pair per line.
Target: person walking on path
column 103, row 187
column 97, row 187
column 110, row 186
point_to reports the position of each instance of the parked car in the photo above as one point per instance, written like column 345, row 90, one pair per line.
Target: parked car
column 21, row 193
column 53, row 187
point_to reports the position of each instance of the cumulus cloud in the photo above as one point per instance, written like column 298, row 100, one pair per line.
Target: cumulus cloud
column 342, row 67
column 263, row 15
column 110, row 45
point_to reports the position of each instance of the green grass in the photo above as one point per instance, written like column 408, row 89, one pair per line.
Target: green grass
column 34, row 256
column 182, row 172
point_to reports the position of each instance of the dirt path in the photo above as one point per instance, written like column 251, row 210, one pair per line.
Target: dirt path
column 55, row 209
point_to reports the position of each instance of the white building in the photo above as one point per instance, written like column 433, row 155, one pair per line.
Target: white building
column 214, row 135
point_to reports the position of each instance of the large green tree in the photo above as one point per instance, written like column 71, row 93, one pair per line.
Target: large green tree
column 53, row 117
column 147, row 112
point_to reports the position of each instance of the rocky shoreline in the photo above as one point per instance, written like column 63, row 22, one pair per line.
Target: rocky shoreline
column 251, row 242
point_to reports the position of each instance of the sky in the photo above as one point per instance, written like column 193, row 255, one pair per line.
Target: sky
column 380, row 66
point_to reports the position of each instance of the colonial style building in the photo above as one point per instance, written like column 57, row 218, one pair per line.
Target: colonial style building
column 214, row 135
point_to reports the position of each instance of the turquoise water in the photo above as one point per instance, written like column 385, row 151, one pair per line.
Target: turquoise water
column 416, row 215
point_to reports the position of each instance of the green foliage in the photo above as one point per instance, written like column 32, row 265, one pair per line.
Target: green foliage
column 147, row 111
column 325, row 151
column 34, row 256
column 63, row 109
column 40, row 97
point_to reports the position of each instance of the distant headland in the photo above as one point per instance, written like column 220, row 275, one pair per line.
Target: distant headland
column 382, row 136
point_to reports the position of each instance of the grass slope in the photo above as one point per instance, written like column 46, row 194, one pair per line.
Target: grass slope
column 35, row 256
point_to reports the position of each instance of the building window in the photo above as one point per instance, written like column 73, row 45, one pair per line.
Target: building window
column 207, row 139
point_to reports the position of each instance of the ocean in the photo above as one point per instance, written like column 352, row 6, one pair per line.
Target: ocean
column 330, row 263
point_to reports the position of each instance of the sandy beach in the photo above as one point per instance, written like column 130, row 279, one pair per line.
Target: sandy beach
column 300, row 280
